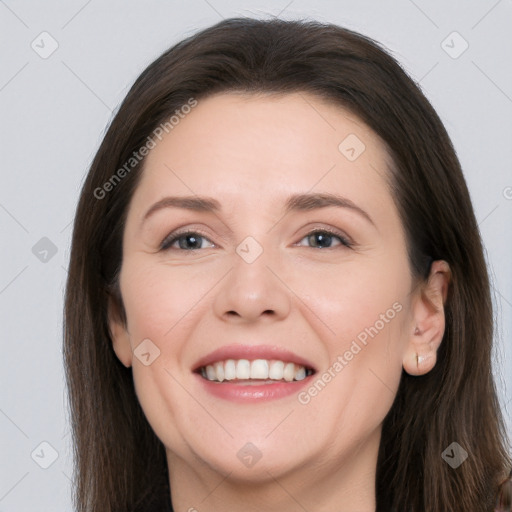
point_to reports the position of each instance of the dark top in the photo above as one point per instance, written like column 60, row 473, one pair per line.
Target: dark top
column 159, row 502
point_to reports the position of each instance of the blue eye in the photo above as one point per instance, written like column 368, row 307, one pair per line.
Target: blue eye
column 322, row 239
column 191, row 240
column 187, row 241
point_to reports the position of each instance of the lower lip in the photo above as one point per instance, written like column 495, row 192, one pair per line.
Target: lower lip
column 252, row 392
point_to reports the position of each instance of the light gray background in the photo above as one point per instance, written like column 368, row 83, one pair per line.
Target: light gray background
column 54, row 111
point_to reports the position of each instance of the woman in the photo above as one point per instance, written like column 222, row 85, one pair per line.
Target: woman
column 277, row 295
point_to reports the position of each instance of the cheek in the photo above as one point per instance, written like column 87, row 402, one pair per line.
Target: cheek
column 161, row 398
column 365, row 309
column 159, row 299
column 356, row 297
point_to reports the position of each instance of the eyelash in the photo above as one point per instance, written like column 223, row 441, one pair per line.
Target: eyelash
column 173, row 237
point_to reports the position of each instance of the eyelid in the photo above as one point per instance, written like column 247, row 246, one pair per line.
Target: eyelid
column 171, row 238
column 331, row 230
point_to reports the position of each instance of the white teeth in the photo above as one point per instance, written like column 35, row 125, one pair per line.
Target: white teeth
column 243, row 369
column 276, row 370
column 210, row 373
column 289, row 372
column 230, row 369
column 219, row 370
column 300, row 374
column 259, row 369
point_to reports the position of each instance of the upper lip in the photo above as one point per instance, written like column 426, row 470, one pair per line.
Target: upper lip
column 252, row 352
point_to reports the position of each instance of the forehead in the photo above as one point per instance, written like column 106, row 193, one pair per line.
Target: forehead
column 254, row 148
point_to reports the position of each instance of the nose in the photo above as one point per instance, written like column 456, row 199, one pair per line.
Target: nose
column 252, row 291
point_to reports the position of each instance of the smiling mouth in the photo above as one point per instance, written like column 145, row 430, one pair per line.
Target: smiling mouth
column 257, row 371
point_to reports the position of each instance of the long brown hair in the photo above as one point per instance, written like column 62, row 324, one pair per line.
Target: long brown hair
column 119, row 460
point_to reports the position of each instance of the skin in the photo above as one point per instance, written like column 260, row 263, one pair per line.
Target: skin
column 251, row 152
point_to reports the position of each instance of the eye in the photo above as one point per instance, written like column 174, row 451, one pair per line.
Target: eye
column 322, row 239
column 192, row 240
column 188, row 240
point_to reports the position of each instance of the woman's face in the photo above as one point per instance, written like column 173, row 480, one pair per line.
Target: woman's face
column 295, row 259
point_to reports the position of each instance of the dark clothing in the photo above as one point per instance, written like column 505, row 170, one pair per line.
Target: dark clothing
column 159, row 502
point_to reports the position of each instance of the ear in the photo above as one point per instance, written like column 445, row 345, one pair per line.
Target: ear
column 428, row 322
column 119, row 334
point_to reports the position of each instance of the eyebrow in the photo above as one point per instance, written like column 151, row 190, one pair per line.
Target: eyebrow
column 296, row 202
